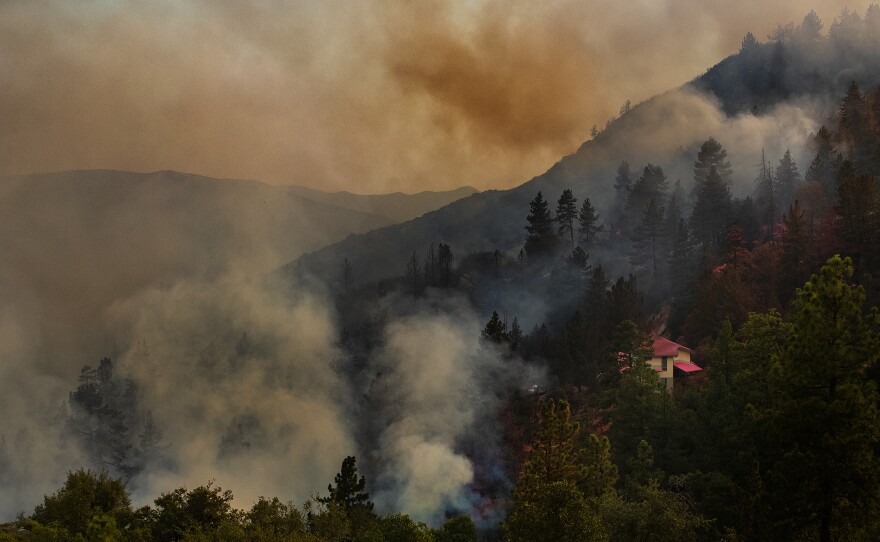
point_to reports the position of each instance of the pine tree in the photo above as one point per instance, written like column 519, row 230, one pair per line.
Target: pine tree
column 541, row 239
column 516, row 335
column 622, row 186
column 588, row 222
column 651, row 185
column 445, row 261
column 825, row 474
column 787, row 180
column 794, row 262
column 430, row 267
column 767, row 194
column 823, row 168
column 566, row 214
column 711, row 210
column 858, row 210
column 681, row 263
column 647, row 240
column 811, row 28
column 412, row 275
column 711, row 155
column 853, row 126
column 349, row 490
column 748, row 42
column 495, row 330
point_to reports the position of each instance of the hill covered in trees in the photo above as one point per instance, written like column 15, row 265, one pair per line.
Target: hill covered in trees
column 487, row 362
column 770, row 96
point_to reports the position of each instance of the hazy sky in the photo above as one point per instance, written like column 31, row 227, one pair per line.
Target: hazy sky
column 360, row 95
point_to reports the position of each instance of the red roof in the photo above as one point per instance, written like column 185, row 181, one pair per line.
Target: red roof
column 666, row 348
column 686, row 367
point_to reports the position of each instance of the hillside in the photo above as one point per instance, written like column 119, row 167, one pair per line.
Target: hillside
column 766, row 97
column 397, row 207
column 73, row 243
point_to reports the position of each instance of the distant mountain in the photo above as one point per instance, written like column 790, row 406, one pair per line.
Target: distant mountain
column 769, row 95
column 73, row 243
column 397, row 207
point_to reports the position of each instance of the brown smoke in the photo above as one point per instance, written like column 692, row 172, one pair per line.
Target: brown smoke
column 366, row 96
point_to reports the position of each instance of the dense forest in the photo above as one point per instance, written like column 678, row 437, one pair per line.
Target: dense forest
column 777, row 438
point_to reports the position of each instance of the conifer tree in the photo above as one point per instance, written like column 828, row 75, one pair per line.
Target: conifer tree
column 588, row 224
column 795, row 252
column 711, row 210
column 651, row 185
column 711, row 155
column 554, row 455
column 823, row 168
column 825, row 476
column 767, row 193
column 858, row 210
column 622, row 186
column 348, row 490
column 566, row 214
column 541, row 239
column 648, row 238
column 495, row 330
column 787, row 179
column 516, row 335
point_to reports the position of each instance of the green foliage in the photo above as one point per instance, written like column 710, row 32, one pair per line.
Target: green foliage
column 85, row 494
column 553, row 457
column 825, row 422
column 349, row 491
column 203, row 509
column 458, row 529
column 653, row 515
column 556, row 512
column 399, row 528
column 350, row 496
column 330, row 522
column 272, row 519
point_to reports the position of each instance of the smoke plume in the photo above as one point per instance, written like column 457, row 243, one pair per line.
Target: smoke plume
column 368, row 96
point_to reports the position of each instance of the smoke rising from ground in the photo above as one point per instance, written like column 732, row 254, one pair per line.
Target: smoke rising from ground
column 367, row 96
column 442, row 389
column 247, row 385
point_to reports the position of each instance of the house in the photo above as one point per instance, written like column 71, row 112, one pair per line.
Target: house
column 669, row 356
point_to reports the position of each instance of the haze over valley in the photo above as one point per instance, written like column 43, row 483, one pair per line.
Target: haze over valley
column 491, row 270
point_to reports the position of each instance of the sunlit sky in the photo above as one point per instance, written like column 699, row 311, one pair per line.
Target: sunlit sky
column 360, row 95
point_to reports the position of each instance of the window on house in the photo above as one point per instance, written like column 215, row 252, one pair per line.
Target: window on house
column 665, row 363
